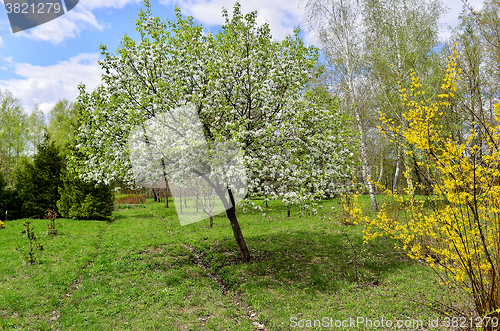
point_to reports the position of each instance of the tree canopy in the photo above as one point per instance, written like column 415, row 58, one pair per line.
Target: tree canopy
column 245, row 88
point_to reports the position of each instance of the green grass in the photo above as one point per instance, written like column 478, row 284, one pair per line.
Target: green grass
column 144, row 271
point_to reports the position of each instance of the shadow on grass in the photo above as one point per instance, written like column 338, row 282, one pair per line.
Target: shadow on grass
column 307, row 260
column 330, row 259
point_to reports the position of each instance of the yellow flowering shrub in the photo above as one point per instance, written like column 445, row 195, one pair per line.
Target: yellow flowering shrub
column 459, row 234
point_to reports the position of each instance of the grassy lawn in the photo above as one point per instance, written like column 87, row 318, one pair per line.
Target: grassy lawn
column 144, row 271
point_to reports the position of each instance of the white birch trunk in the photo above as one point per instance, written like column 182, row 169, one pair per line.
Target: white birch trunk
column 396, row 176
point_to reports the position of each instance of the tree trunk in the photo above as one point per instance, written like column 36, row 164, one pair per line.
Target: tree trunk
column 366, row 172
column 381, row 172
column 364, row 159
column 180, row 200
column 396, row 176
column 288, row 210
column 420, row 177
column 238, row 235
column 166, row 181
column 231, row 214
column 423, row 177
column 211, row 221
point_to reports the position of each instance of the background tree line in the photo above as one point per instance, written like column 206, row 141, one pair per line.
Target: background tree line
column 33, row 172
column 370, row 48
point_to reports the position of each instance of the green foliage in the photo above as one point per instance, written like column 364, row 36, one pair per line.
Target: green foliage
column 13, row 133
column 36, row 129
column 38, row 182
column 81, row 200
column 3, row 185
column 62, row 122
column 34, row 245
column 25, row 187
column 8, row 202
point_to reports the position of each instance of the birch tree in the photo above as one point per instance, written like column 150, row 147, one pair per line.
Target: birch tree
column 400, row 36
column 36, row 128
column 62, row 121
column 13, row 134
column 338, row 27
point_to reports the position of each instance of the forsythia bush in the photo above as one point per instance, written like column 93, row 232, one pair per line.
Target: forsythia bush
column 459, row 235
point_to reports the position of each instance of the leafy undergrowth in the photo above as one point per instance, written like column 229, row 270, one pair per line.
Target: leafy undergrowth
column 144, row 271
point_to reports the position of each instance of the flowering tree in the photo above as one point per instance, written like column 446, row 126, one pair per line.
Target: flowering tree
column 244, row 88
column 309, row 157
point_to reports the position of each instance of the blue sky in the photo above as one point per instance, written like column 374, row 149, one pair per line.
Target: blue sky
column 46, row 63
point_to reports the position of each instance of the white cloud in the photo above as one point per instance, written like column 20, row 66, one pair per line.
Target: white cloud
column 1, row 41
column 73, row 22
column 283, row 15
column 45, row 107
column 46, row 84
column 67, row 26
column 96, row 4
column 8, row 59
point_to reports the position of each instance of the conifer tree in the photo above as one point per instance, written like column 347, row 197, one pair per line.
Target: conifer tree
column 38, row 182
column 82, row 200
